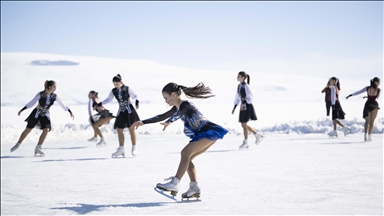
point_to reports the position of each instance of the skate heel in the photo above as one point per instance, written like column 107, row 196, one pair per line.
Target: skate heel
column 173, row 193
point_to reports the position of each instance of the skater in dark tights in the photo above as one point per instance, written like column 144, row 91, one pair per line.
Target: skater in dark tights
column 371, row 107
column 102, row 117
column 126, row 115
column 247, row 112
column 200, row 130
column 337, row 111
column 40, row 117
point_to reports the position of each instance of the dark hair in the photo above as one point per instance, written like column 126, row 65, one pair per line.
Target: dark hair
column 373, row 85
column 337, row 82
column 116, row 78
column 198, row 91
column 94, row 93
column 243, row 74
column 47, row 84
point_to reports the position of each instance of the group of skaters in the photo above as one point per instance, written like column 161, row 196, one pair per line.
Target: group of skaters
column 370, row 109
column 202, row 132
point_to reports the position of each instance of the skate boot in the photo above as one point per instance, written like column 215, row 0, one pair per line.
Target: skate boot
column 101, row 142
column 93, row 139
column 259, row 138
column 38, row 152
column 346, row 130
column 15, row 147
column 120, row 151
column 134, row 151
column 244, row 145
column 193, row 191
column 172, row 186
column 365, row 138
column 333, row 134
column 369, row 138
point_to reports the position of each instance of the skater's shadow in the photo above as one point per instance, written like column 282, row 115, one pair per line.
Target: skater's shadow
column 82, row 208
column 81, row 159
column 70, row 148
column 8, row 157
column 211, row 151
column 342, row 143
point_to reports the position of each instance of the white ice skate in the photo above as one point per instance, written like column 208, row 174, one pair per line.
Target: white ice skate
column 334, row 134
column 346, row 130
column 38, row 152
column 101, row 142
column 120, row 151
column 259, row 138
column 369, row 138
column 193, row 191
column 365, row 137
column 15, row 147
column 172, row 186
column 244, row 145
column 93, row 139
column 134, row 150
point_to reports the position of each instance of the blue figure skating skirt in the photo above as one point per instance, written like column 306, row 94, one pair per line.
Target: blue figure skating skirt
column 209, row 131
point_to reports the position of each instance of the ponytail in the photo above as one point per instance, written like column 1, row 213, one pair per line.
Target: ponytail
column 373, row 85
column 198, row 91
column 247, row 77
column 47, row 84
column 337, row 82
column 95, row 93
column 116, row 78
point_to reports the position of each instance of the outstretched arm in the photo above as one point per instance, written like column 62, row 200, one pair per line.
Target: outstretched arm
column 65, row 108
column 108, row 99
column 161, row 117
column 357, row 93
column 31, row 103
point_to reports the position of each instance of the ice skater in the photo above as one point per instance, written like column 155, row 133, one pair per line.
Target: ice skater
column 126, row 115
column 40, row 117
column 247, row 112
column 371, row 107
column 102, row 117
column 328, row 103
column 337, row 111
column 200, row 130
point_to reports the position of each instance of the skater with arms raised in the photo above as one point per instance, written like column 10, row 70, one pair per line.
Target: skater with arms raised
column 200, row 130
column 40, row 117
column 371, row 107
column 247, row 112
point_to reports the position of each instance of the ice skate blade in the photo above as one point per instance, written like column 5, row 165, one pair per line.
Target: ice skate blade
column 196, row 195
column 101, row 145
column 39, row 155
column 116, row 156
column 261, row 139
column 173, row 193
column 161, row 191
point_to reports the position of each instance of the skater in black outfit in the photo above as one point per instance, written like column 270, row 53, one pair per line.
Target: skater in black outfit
column 40, row 117
column 371, row 107
column 328, row 103
column 199, row 129
column 102, row 117
column 126, row 115
column 247, row 112
column 337, row 111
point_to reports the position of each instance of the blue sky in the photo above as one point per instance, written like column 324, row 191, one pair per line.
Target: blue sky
column 194, row 34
